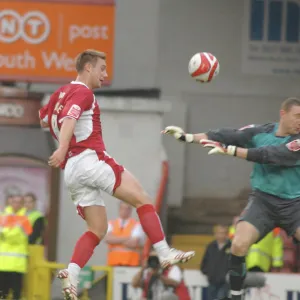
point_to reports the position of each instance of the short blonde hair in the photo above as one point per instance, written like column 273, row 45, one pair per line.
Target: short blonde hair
column 219, row 226
column 88, row 56
column 289, row 102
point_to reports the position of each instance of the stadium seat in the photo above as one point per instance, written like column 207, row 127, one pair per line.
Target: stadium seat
column 192, row 239
column 195, row 242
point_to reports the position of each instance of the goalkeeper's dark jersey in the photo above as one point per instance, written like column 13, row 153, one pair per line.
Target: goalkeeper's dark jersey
column 277, row 159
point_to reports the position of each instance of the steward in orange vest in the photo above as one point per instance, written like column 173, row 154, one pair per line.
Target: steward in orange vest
column 124, row 247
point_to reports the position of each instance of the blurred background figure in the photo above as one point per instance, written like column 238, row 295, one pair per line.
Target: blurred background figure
column 14, row 231
column 10, row 191
column 8, row 201
column 159, row 284
column 36, row 218
column 215, row 263
column 125, row 238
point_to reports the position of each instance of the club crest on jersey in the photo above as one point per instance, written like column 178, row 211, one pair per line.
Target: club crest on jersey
column 74, row 111
column 248, row 126
column 294, row 145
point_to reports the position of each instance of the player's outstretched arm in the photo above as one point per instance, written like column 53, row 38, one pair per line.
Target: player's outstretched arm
column 286, row 155
column 65, row 136
column 237, row 137
column 179, row 134
column 219, row 148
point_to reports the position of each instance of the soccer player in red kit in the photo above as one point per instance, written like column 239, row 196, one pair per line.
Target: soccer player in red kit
column 73, row 116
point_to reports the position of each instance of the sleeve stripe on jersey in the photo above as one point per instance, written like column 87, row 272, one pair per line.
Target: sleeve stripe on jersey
column 66, row 117
column 45, row 118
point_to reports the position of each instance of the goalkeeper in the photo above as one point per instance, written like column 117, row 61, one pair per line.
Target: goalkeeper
column 274, row 148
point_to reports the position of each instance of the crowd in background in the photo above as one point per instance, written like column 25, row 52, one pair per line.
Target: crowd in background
column 264, row 256
column 21, row 225
column 125, row 241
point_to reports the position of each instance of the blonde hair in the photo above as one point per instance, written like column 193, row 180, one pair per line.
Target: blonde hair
column 218, row 226
column 88, row 56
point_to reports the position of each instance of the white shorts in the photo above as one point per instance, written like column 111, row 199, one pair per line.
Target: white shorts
column 88, row 174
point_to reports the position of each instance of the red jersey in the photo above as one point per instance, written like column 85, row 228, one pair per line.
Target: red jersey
column 76, row 101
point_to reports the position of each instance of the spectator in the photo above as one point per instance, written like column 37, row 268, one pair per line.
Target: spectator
column 158, row 284
column 265, row 254
column 14, row 231
column 37, row 220
column 215, row 263
column 10, row 191
column 8, row 200
column 125, row 239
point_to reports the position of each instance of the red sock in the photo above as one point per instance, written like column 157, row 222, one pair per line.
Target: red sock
column 151, row 223
column 84, row 248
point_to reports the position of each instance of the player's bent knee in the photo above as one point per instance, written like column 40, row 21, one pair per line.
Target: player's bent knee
column 98, row 228
column 240, row 246
column 99, row 234
column 96, row 220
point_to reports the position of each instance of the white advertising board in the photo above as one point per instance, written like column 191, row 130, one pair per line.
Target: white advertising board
column 278, row 286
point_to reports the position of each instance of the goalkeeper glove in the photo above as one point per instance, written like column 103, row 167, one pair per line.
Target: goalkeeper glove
column 218, row 148
column 179, row 134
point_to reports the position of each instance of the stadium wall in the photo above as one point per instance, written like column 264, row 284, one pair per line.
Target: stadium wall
column 152, row 49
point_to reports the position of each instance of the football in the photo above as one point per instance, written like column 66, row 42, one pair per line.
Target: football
column 204, row 67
